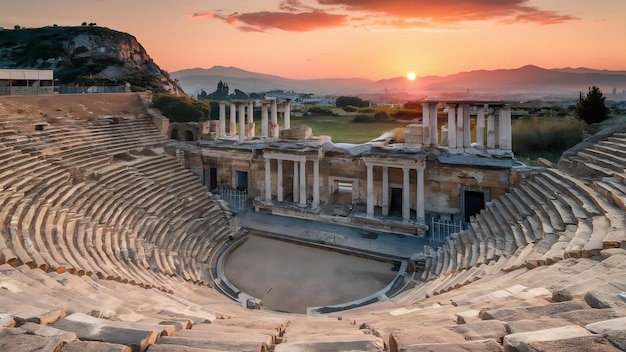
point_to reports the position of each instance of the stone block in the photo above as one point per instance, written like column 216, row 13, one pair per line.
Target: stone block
column 474, row 346
column 521, row 341
column 481, row 330
column 94, row 346
column 297, row 132
column 613, row 330
column 531, row 312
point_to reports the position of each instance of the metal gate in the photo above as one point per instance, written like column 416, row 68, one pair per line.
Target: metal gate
column 235, row 198
column 441, row 229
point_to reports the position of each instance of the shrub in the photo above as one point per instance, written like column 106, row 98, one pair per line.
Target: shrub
column 361, row 118
column 182, row 108
column 550, row 136
column 320, row 110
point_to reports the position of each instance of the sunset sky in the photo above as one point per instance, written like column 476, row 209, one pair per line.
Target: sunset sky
column 373, row 39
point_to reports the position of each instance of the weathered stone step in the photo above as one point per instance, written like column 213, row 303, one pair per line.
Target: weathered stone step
column 95, row 329
column 213, row 343
column 350, row 343
column 489, row 345
column 566, row 338
column 94, row 346
column 531, row 312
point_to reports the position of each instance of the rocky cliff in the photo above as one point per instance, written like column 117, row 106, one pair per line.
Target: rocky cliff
column 86, row 55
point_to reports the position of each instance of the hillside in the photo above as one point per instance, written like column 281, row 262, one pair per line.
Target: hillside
column 527, row 81
column 85, row 55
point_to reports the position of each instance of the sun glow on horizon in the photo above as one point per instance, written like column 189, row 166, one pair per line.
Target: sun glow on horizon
column 411, row 76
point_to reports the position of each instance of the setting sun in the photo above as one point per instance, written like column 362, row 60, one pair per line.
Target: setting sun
column 411, row 76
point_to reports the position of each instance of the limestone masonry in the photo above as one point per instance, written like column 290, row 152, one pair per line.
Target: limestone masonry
column 113, row 221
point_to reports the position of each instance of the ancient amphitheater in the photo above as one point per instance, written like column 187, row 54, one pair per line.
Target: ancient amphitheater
column 109, row 244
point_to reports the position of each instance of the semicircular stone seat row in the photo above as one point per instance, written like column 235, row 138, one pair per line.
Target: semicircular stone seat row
column 101, row 197
column 548, row 217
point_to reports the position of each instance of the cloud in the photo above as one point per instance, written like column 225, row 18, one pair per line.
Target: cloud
column 203, row 15
column 453, row 11
column 298, row 16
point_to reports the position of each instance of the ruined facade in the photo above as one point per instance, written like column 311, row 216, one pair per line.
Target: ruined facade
column 452, row 163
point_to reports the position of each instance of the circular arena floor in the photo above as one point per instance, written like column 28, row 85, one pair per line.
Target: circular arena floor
column 302, row 276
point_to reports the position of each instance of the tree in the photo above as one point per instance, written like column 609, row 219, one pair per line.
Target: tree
column 591, row 108
column 354, row 101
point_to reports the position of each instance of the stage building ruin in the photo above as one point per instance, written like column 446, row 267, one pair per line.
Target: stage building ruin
column 450, row 165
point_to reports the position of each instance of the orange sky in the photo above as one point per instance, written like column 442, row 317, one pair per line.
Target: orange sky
column 373, row 39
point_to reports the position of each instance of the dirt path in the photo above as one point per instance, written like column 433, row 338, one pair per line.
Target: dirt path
column 302, row 276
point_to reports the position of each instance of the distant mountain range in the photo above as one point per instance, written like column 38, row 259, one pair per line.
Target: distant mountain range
column 527, row 80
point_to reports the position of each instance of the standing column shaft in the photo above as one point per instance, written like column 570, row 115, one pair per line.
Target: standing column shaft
column 268, row 180
column 279, row 176
column 459, row 125
column 467, row 131
column 370, row 191
column 426, row 124
column 505, row 128
column 421, row 213
column 264, row 118
column 452, row 126
column 233, row 119
column 287, row 114
column 434, row 128
column 250, row 112
column 385, row 191
column 296, row 182
column 222, row 119
column 242, row 123
column 491, row 132
column 406, row 191
column 303, row 182
column 316, row 183
column 480, row 126
column 274, row 129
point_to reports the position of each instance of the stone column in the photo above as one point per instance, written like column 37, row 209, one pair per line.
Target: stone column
column 452, row 126
column 287, row 114
column 460, row 113
column 274, row 129
column 406, row 193
column 385, row 191
column 316, row 183
column 434, row 128
column 250, row 122
column 222, row 119
column 242, row 123
column 370, row 191
column 296, row 182
column 264, row 118
column 303, row 182
column 504, row 120
column 279, row 176
column 233, row 119
column 421, row 214
column 480, row 125
column 467, row 130
column 268, row 180
column 491, row 132
column 426, row 124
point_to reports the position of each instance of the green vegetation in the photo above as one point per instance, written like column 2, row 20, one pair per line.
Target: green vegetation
column 54, row 48
column 591, row 108
column 351, row 101
column 548, row 138
column 343, row 130
column 182, row 108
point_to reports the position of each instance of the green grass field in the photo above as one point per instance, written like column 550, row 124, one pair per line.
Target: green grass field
column 342, row 130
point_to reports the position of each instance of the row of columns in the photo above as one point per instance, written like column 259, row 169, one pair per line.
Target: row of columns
column 299, row 180
column 244, row 109
column 459, row 126
column 406, row 190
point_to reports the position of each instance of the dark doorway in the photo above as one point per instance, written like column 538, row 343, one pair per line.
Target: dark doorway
column 188, row 136
column 242, row 180
column 174, row 134
column 213, row 178
column 474, row 203
column 395, row 203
